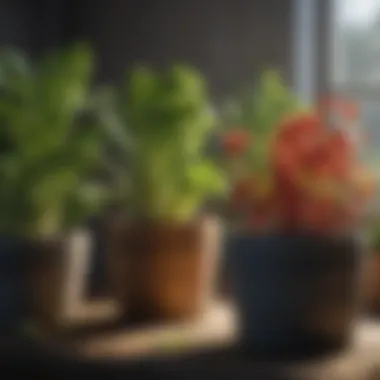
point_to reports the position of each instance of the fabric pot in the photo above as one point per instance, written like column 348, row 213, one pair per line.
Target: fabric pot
column 163, row 271
column 296, row 294
column 13, row 296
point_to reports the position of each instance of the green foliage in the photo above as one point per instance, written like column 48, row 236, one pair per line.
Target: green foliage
column 166, row 121
column 262, row 107
column 49, row 141
column 272, row 103
column 260, row 110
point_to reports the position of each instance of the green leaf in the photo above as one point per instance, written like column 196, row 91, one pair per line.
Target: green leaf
column 205, row 178
column 170, row 120
column 51, row 142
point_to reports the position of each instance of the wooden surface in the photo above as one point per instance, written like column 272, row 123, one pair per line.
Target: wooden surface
column 216, row 330
column 203, row 349
column 216, row 327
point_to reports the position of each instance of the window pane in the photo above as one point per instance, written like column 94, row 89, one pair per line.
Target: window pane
column 356, row 41
column 370, row 126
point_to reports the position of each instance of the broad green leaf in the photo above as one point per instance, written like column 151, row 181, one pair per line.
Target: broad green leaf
column 47, row 149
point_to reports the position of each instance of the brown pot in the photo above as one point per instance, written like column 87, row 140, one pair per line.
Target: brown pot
column 372, row 284
column 163, row 271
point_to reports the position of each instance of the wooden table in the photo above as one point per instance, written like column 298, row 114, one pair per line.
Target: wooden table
column 203, row 349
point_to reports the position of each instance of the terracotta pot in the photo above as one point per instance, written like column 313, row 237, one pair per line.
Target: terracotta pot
column 372, row 285
column 163, row 271
column 296, row 294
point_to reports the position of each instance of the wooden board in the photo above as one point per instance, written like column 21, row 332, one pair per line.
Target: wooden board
column 217, row 329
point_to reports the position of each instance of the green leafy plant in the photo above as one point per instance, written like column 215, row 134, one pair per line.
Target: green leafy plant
column 268, row 103
column 258, row 111
column 165, row 124
column 291, row 168
column 50, row 142
column 255, row 114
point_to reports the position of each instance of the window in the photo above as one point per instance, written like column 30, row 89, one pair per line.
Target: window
column 355, row 63
column 305, row 52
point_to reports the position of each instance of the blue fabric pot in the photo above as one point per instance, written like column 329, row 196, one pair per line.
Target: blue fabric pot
column 295, row 293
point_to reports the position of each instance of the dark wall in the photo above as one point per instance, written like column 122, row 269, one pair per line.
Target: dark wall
column 227, row 39
column 15, row 24
column 38, row 25
column 32, row 25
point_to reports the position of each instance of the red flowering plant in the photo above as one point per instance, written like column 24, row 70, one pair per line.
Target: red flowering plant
column 299, row 169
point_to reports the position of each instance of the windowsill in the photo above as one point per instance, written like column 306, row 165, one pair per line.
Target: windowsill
column 134, row 352
column 217, row 328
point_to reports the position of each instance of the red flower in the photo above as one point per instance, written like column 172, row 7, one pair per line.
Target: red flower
column 341, row 154
column 303, row 123
column 312, row 173
column 286, row 162
column 306, row 148
column 235, row 142
column 296, row 141
column 302, row 133
column 333, row 157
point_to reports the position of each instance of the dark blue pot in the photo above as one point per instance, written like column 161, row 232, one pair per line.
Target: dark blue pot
column 13, row 286
column 296, row 294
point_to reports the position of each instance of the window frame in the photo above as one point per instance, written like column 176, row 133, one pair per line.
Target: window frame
column 305, row 54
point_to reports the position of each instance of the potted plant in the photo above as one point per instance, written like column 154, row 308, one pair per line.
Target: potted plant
column 297, row 196
column 159, row 267
column 47, row 168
